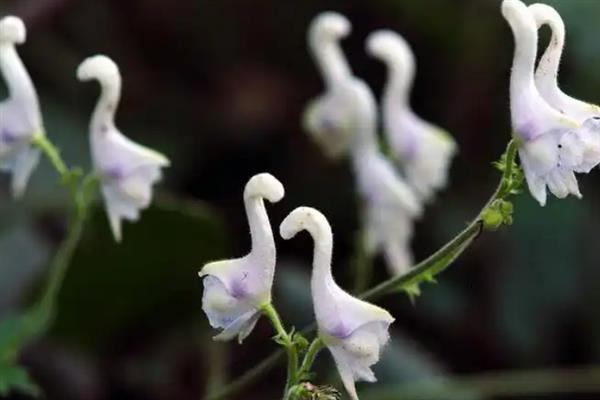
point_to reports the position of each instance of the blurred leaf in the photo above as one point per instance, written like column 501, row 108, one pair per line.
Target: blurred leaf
column 16, row 379
column 149, row 281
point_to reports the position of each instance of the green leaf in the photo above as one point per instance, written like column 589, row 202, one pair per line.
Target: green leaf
column 16, row 379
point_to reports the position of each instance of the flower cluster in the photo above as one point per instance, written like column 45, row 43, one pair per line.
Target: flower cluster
column 558, row 136
column 344, row 122
column 126, row 169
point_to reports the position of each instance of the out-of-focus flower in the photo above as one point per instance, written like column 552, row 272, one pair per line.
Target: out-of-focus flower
column 327, row 117
column 236, row 290
column 349, row 108
column 551, row 144
column 20, row 117
column 354, row 331
column 127, row 170
column 424, row 150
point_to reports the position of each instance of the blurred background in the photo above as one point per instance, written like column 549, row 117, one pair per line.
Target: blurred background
column 220, row 86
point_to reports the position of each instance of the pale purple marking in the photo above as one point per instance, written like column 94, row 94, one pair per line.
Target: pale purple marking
column 115, row 172
column 7, row 137
column 340, row 331
column 238, row 289
column 527, row 130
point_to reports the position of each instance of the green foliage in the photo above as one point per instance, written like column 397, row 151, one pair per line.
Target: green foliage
column 14, row 378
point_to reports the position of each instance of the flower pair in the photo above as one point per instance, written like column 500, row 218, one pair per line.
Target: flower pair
column 344, row 122
column 424, row 151
column 558, row 135
column 126, row 169
column 237, row 290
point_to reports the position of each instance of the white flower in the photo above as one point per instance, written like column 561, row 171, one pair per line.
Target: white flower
column 424, row 150
column 546, row 74
column 354, row 331
column 235, row 290
column 326, row 118
column 546, row 79
column 20, row 117
column 551, row 145
column 347, row 116
column 127, row 170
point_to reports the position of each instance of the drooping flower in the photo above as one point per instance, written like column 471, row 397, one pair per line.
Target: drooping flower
column 546, row 79
column 424, row 150
column 347, row 115
column 546, row 74
column 127, row 170
column 236, row 290
column 20, row 117
column 354, row 330
column 327, row 117
column 551, row 144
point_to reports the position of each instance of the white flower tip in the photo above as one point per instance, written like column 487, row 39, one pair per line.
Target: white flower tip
column 514, row 10
column 266, row 186
column 97, row 67
column 387, row 45
column 305, row 218
column 12, row 30
column 330, row 25
column 543, row 13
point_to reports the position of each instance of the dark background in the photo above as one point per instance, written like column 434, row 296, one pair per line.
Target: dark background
column 220, row 86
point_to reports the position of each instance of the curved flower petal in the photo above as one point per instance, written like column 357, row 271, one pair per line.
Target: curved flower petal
column 127, row 170
column 355, row 354
column 424, row 151
column 234, row 316
column 21, row 118
column 353, row 330
column 553, row 146
column 235, row 290
column 546, row 74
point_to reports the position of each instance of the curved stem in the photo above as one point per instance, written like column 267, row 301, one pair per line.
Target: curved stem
column 422, row 272
column 311, row 354
column 41, row 141
column 496, row 384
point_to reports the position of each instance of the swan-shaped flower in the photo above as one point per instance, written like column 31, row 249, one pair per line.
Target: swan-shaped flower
column 424, row 150
column 127, row 170
column 235, row 291
column 349, row 110
column 551, row 147
column 327, row 117
column 546, row 79
column 354, row 331
column 20, row 117
column 546, row 74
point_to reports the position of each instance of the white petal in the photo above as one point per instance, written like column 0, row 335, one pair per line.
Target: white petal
column 236, row 317
column 355, row 354
column 25, row 162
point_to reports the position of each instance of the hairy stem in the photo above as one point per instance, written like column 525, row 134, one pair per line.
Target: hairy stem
column 286, row 340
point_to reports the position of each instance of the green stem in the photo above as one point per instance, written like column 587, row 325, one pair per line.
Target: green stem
column 422, row 272
column 286, row 340
column 496, row 384
column 47, row 147
column 311, row 354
